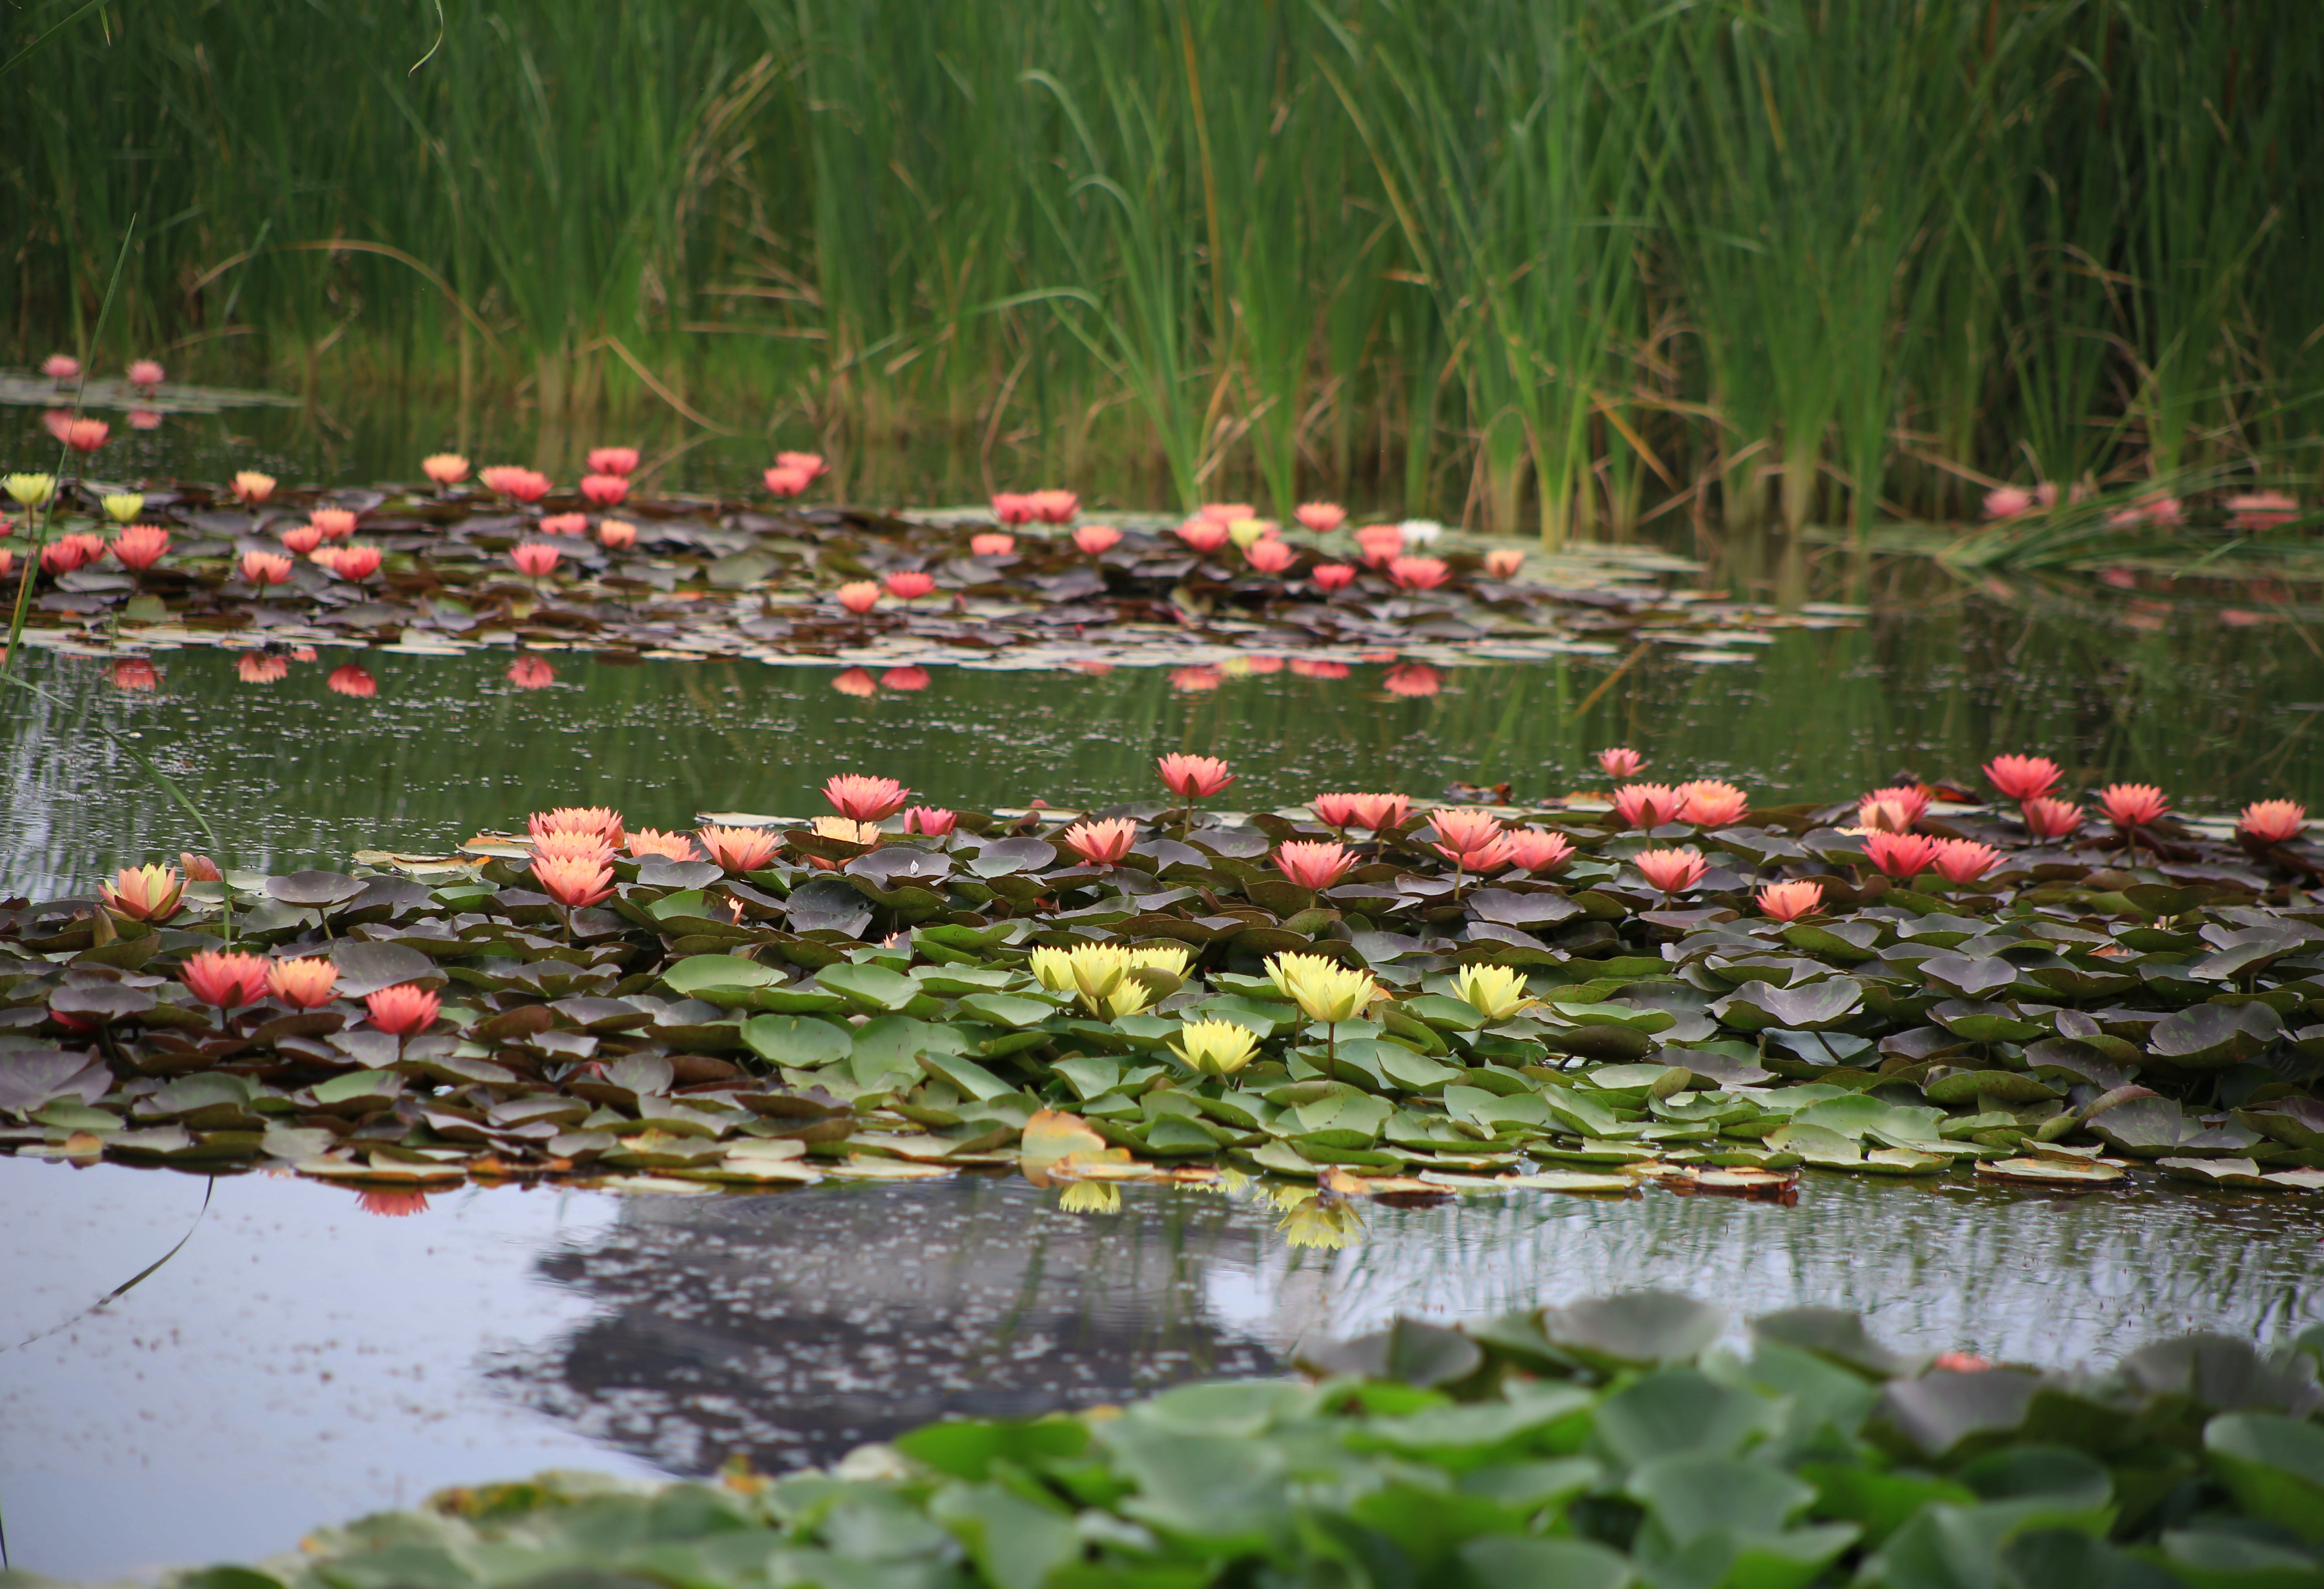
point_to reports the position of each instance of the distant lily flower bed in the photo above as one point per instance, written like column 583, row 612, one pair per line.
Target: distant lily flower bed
column 505, row 555
column 1368, row 995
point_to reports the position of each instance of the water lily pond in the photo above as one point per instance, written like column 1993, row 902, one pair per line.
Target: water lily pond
column 310, row 1350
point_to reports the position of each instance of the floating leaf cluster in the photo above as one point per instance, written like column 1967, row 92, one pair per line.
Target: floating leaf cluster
column 1595, row 1445
column 664, row 577
column 1381, row 999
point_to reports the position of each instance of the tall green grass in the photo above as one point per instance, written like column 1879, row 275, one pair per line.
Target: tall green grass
column 1539, row 265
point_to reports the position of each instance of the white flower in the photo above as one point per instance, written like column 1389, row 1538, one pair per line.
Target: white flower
column 1421, row 531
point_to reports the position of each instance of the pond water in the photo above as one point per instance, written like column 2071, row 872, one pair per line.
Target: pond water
column 298, row 1360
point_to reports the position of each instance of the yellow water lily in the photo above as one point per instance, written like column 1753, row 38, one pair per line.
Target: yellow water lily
column 30, row 490
column 1098, row 973
column 121, row 506
column 1494, row 992
column 1215, row 1047
column 1245, row 531
column 1173, row 960
column 1324, row 990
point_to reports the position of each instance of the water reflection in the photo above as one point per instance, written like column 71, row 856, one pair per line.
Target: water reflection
column 793, row 1327
column 310, row 1354
column 411, row 752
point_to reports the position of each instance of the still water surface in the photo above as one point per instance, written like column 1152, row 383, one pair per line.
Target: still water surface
column 301, row 1360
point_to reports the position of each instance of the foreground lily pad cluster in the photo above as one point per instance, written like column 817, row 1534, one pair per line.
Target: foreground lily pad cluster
column 128, row 574
column 1595, row 1445
column 1381, row 999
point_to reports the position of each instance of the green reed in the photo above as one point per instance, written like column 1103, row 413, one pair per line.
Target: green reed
column 1551, row 264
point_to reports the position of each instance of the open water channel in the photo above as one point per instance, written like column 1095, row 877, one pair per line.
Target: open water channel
column 300, row 1358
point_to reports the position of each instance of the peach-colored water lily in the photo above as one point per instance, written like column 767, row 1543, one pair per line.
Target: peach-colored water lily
column 146, row 373
column 670, row 846
column 617, row 534
column 73, row 552
column 1203, row 535
column 258, row 668
column 303, row 539
column 445, row 469
column 134, row 673
column 1225, row 513
column 2048, row 818
column 402, row 1011
column 602, row 821
column 1503, row 561
column 856, row 681
column 1472, row 840
column 1712, row 802
column 140, row 546
column 907, row 678
column 858, row 596
column 573, row 844
column 1012, row 507
column 564, row 524
column 1332, row 577
column 910, row 584
column 85, row 435
column 57, row 422
column 358, row 563
column 144, row 893
column 782, row 482
column 335, row 523
column 1334, row 810
column 1538, row 850
column 1418, row 573
column 2273, row 822
column 865, row 799
column 1896, row 809
column 605, row 491
column 1322, row 517
column 572, row 881
column 1311, row 864
column 2132, row 805
column 1318, row 668
column 2022, row 778
column 2007, row 501
column 739, row 849
column 250, row 487
column 1192, row 778
column 1963, row 860
column 1270, row 556
column 1194, row 680
column 354, row 680
column 1620, row 762
column 933, row 821
column 993, row 544
column 809, row 464
column 307, row 982
column 1380, row 812
column 262, row 568
column 1788, row 901
column 1900, row 854
column 1671, row 872
column 1647, row 805
column 516, row 483
column 60, row 367
column 1378, row 543
column 224, row 978
column 1054, row 507
column 199, row 868
column 1101, row 843
column 531, row 673
column 1094, row 539
column 2262, row 509
column 1413, row 679
column 534, row 558
column 616, row 460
